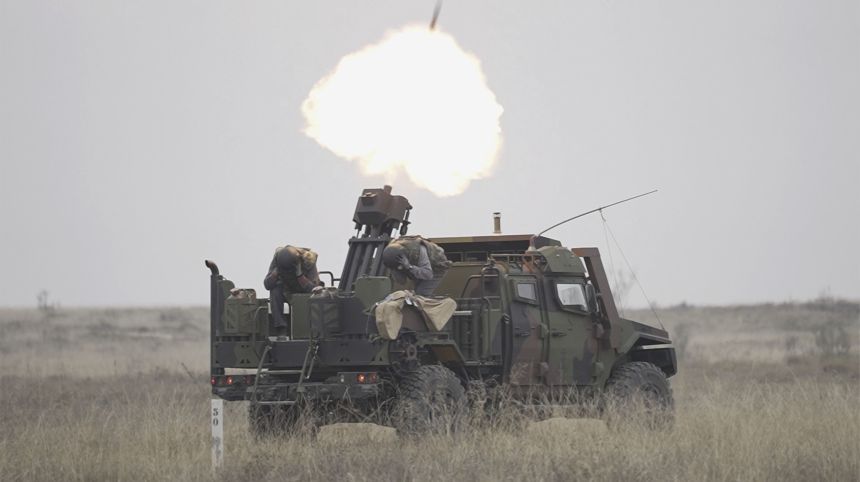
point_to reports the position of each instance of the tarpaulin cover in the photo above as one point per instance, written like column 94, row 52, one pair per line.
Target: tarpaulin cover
column 389, row 312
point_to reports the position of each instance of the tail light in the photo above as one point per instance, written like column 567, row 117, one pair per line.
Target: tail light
column 230, row 380
column 370, row 377
column 361, row 378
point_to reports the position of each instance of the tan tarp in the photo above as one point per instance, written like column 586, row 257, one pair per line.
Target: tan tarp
column 389, row 312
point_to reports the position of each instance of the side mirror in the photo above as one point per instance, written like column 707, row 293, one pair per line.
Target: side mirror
column 591, row 299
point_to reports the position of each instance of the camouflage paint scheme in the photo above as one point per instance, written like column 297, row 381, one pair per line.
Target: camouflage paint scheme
column 510, row 326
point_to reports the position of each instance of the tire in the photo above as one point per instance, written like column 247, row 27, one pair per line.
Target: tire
column 639, row 392
column 430, row 400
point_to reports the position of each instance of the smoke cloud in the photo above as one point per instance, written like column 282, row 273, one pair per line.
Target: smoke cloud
column 415, row 102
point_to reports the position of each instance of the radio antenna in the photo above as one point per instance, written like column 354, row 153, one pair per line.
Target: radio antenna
column 601, row 208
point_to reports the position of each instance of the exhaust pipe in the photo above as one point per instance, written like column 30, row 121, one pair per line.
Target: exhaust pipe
column 497, row 223
column 216, row 305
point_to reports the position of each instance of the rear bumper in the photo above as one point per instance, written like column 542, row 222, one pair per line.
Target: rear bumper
column 320, row 391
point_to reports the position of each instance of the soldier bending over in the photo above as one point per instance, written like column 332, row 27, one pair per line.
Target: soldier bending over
column 293, row 270
column 415, row 258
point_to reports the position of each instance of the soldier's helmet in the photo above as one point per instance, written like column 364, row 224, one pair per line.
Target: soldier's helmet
column 391, row 255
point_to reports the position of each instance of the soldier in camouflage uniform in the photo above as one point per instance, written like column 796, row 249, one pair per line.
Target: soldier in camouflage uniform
column 292, row 270
column 416, row 259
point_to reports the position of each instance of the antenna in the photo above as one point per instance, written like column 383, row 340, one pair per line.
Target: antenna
column 601, row 208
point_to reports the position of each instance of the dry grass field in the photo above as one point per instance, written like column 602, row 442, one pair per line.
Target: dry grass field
column 765, row 392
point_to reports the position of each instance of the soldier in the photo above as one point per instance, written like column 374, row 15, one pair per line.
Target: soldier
column 415, row 258
column 292, row 270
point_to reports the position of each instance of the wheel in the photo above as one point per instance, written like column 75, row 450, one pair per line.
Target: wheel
column 430, row 400
column 640, row 392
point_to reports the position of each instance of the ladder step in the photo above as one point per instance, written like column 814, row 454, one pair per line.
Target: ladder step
column 282, row 372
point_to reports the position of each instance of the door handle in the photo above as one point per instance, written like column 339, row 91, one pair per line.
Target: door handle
column 557, row 333
column 522, row 333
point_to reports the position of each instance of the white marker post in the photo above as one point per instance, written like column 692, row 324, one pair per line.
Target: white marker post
column 216, row 419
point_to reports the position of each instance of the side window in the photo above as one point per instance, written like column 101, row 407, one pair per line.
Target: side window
column 572, row 295
column 527, row 291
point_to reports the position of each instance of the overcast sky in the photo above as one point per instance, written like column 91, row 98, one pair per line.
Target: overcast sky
column 138, row 138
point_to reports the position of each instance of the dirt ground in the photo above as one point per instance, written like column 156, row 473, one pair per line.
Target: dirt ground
column 764, row 392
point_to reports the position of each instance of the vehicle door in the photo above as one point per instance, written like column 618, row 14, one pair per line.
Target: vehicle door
column 572, row 344
column 526, row 331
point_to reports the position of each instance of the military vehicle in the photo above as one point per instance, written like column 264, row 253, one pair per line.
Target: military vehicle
column 531, row 316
